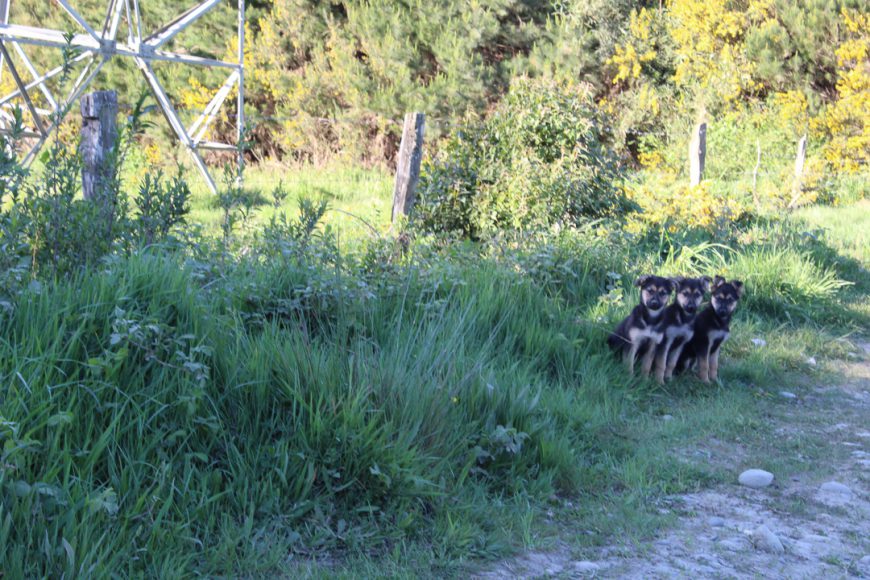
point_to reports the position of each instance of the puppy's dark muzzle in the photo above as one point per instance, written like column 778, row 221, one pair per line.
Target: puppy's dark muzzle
column 691, row 309
column 721, row 311
column 653, row 304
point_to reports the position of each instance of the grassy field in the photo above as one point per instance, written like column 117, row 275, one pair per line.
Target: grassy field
column 359, row 199
column 368, row 411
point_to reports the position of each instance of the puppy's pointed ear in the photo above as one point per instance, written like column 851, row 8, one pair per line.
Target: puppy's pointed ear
column 705, row 283
column 642, row 280
column 718, row 281
column 738, row 285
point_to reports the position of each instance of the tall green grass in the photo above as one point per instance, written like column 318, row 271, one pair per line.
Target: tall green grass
column 153, row 422
column 149, row 428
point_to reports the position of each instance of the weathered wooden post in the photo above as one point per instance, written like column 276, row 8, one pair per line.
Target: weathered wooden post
column 697, row 153
column 408, row 165
column 755, row 172
column 99, row 135
column 799, row 159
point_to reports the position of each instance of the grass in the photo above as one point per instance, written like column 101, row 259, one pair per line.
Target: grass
column 364, row 413
column 359, row 199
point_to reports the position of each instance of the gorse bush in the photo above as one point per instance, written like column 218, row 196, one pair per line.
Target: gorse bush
column 538, row 159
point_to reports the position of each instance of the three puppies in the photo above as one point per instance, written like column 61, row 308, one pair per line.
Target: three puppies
column 675, row 337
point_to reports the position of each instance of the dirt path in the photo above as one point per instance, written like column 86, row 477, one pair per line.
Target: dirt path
column 814, row 523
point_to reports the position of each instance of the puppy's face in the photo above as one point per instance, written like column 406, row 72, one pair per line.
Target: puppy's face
column 726, row 295
column 655, row 291
column 690, row 292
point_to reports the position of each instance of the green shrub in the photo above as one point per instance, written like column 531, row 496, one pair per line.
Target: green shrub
column 537, row 160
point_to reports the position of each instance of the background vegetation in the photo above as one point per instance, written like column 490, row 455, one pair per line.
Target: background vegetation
column 265, row 382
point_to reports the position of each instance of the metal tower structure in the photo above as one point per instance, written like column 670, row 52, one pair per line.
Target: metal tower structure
column 95, row 47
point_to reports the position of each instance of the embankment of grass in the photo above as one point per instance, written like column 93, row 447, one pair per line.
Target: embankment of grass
column 170, row 417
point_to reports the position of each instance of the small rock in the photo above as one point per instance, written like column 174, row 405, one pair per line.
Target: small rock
column 767, row 540
column 833, row 493
column 716, row 522
column 835, row 487
column 759, row 342
column 667, row 417
column 755, row 478
column 811, row 361
column 787, row 395
column 586, row 566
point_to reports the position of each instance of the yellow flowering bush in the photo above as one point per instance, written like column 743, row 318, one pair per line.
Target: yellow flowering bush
column 629, row 58
column 682, row 208
column 793, row 110
column 708, row 49
column 845, row 123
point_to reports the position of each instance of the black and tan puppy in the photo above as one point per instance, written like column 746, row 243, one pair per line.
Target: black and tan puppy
column 637, row 334
column 712, row 328
column 676, row 325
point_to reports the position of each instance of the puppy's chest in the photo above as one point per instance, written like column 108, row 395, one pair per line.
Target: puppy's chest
column 717, row 336
column 637, row 334
column 683, row 331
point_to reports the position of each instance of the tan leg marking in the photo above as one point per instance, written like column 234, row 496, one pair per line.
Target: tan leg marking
column 714, row 365
column 648, row 358
column 661, row 361
column 629, row 357
column 704, row 366
column 673, row 357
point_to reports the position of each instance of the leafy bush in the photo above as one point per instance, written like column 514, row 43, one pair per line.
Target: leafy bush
column 684, row 209
column 538, row 159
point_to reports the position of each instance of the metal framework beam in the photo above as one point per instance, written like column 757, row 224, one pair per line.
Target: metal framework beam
column 200, row 126
column 78, row 18
column 144, row 52
column 166, row 33
column 33, row 112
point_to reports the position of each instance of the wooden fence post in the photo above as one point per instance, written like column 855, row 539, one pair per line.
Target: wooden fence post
column 408, row 165
column 697, row 153
column 99, row 135
column 799, row 159
column 755, row 172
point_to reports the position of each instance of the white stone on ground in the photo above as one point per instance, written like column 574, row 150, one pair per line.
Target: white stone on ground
column 767, row 540
column 834, row 493
column 586, row 566
column 755, row 478
column 716, row 522
column 835, row 487
column 787, row 395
